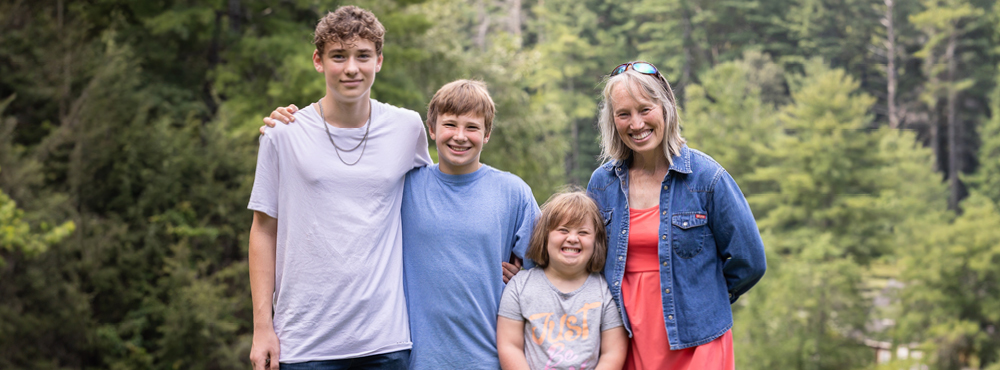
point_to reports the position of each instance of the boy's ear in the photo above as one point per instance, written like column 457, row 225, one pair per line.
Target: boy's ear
column 486, row 138
column 378, row 65
column 317, row 61
column 430, row 129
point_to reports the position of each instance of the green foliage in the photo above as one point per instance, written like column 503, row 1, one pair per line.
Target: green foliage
column 987, row 179
column 127, row 157
column 16, row 235
column 845, row 194
column 731, row 115
column 953, row 294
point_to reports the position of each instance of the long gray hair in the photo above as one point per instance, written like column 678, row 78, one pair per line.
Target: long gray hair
column 648, row 87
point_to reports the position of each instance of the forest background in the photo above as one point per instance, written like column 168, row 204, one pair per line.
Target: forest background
column 865, row 134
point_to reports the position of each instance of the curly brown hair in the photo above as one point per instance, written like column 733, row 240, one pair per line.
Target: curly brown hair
column 347, row 23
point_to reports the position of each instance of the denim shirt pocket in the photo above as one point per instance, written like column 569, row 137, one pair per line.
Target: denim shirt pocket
column 689, row 233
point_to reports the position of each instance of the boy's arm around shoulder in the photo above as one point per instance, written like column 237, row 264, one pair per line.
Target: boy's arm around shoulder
column 261, row 260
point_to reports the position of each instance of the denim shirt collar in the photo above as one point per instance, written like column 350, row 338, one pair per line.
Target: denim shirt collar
column 681, row 163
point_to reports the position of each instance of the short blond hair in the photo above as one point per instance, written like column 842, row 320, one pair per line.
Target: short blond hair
column 570, row 208
column 347, row 23
column 648, row 87
column 462, row 97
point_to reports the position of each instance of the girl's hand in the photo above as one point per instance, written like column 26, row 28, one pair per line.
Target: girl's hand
column 614, row 347
column 283, row 114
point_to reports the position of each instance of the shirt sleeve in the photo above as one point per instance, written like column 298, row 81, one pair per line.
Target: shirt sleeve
column 736, row 237
column 421, row 156
column 264, row 195
column 529, row 214
column 510, row 301
column 610, row 318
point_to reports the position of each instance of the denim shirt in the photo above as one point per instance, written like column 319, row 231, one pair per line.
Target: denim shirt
column 710, row 249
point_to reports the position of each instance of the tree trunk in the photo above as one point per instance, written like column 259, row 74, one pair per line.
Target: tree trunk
column 574, row 143
column 688, row 44
column 954, row 153
column 235, row 17
column 484, row 24
column 934, row 111
column 891, row 67
column 515, row 21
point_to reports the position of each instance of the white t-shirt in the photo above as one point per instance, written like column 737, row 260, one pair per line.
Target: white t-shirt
column 338, row 287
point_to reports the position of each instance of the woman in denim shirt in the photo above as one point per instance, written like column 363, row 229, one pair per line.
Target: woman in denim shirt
column 682, row 242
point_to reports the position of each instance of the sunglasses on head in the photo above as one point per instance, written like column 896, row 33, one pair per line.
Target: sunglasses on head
column 641, row 67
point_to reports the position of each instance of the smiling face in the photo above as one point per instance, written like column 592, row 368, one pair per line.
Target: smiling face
column 638, row 120
column 459, row 140
column 349, row 68
column 571, row 247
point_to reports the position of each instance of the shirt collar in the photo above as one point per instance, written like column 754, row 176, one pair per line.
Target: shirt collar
column 681, row 162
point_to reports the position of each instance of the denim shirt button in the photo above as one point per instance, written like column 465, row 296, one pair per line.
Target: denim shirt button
column 670, row 317
column 685, row 224
column 619, row 258
column 667, row 290
column 616, row 283
column 665, row 187
column 623, row 232
column 664, row 237
column 664, row 263
column 664, row 213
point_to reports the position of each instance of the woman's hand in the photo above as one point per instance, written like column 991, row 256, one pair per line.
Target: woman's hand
column 283, row 114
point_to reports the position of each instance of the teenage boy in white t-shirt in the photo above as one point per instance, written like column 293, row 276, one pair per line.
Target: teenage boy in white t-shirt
column 459, row 218
column 325, row 244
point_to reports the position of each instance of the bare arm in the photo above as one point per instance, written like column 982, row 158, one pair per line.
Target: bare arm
column 614, row 347
column 510, row 344
column 263, row 240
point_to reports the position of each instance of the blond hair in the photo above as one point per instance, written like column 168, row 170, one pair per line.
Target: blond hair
column 462, row 97
column 649, row 87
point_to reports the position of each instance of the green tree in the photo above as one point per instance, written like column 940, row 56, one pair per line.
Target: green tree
column 986, row 180
column 830, row 212
column 951, row 301
column 731, row 116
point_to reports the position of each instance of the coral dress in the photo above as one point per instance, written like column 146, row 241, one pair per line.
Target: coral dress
column 649, row 348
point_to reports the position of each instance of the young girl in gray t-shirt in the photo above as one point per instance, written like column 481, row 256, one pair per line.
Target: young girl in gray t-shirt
column 560, row 315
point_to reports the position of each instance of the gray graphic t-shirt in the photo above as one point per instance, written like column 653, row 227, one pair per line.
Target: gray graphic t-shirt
column 561, row 330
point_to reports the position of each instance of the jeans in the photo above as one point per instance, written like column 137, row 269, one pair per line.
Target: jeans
column 387, row 361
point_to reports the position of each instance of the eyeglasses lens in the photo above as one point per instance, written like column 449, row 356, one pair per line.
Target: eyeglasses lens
column 645, row 68
column 621, row 69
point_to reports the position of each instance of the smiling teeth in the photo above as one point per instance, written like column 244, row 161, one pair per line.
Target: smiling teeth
column 641, row 136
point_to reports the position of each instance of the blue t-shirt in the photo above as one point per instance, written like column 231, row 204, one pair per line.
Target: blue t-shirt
column 457, row 229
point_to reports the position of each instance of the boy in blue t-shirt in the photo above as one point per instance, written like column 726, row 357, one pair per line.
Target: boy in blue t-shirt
column 459, row 218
